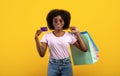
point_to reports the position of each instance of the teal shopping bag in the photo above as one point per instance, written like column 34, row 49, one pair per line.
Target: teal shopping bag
column 85, row 32
column 89, row 57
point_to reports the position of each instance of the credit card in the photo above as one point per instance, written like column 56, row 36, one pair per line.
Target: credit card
column 43, row 29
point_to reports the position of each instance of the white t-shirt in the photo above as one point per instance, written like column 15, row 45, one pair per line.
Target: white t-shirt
column 58, row 46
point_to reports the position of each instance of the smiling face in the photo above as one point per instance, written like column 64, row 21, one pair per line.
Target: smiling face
column 58, row 22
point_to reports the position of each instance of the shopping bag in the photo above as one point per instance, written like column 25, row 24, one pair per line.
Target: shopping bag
column 85, row 32
column 91, row 41
column 90, row 57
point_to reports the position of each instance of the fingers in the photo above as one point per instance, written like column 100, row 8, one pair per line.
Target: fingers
column 73, row 28
column 38, row 32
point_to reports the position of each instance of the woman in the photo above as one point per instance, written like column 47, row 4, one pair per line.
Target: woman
column 58, row 41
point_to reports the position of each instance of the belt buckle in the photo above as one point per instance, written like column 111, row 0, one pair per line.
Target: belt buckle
column 61, row 61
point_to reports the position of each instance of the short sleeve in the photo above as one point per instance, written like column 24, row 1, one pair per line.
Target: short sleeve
column 73, row 38
column 44, row 38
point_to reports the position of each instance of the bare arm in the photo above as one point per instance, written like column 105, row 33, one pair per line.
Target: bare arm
column 79, row 43
column 41, row 46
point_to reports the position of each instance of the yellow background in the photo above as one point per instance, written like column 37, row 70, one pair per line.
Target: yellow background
column 19, row 20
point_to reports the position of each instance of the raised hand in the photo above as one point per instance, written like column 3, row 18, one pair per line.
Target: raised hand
column 74, row 29
column 38, row 32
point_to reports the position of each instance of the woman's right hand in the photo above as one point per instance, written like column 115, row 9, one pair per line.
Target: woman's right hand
column 38, row 32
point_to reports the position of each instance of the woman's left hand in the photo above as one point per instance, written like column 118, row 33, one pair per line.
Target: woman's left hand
column 74, row 29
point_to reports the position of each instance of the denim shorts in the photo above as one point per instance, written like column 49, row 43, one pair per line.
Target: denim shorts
column 60, row 67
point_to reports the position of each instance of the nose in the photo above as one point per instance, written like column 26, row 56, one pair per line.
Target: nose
column 58, row 23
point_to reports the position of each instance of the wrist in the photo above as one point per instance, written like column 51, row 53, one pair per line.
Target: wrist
column 36, row 37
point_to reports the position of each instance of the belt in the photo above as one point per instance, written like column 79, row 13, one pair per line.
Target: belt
column 60, row 60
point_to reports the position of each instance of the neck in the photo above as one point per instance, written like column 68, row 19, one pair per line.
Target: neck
column 58, row 31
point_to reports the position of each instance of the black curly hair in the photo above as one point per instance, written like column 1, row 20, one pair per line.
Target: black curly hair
column 55, row 12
